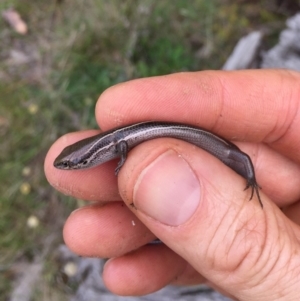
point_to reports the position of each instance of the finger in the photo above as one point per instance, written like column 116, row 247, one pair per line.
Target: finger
column 197, row 207
column 149, row 269
column 143, row 271
column 252, row 105
column 112, row 231
column 105, row 231
column 96, row 184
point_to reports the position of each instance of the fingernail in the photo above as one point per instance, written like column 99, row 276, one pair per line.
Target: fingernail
column 168, row 190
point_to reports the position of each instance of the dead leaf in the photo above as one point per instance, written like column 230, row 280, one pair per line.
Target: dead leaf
column 15, row 21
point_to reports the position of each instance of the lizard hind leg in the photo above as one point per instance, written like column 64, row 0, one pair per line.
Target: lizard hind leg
column 122, row 150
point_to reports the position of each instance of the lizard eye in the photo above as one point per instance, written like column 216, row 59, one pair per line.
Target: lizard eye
column 65, row 164
column 85, row 162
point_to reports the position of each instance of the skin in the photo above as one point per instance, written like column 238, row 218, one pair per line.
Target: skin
column 225, row 241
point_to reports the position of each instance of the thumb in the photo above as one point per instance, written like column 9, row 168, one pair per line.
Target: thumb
column 198, row 207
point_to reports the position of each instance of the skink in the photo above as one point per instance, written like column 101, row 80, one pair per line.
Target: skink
column 118, row 142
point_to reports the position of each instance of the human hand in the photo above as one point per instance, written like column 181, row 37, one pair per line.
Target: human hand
column 189, row 199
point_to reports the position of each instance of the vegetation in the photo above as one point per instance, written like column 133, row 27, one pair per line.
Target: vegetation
column 50, row 80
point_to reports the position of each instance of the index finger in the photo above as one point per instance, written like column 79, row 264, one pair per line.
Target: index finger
column 252, row 105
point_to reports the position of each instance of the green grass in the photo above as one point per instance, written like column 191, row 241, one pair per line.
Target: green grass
column 75, row 50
